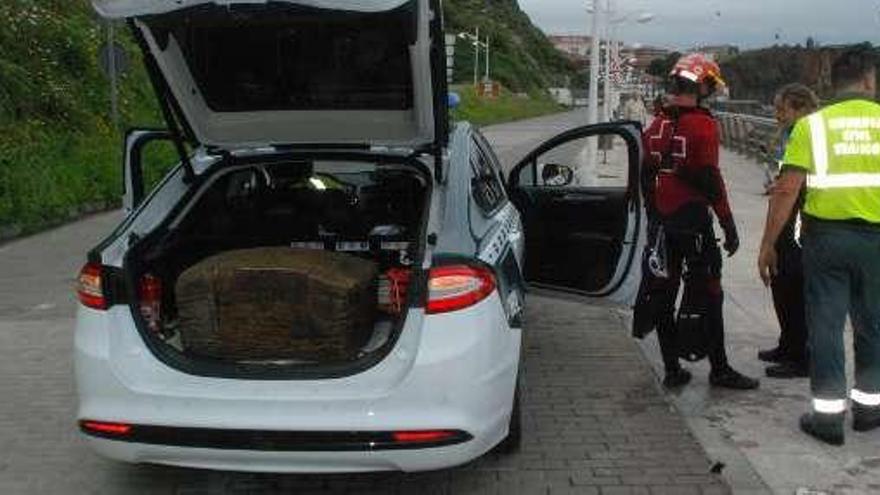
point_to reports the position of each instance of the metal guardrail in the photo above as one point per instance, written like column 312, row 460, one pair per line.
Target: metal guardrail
column 751, row 136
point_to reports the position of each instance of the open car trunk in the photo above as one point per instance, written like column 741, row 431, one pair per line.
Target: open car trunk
column 273, row 268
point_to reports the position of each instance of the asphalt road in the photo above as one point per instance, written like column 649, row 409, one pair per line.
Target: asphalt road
column 596, row 421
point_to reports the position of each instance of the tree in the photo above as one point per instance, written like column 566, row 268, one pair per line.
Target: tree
column 660, row 67
column 811, row 43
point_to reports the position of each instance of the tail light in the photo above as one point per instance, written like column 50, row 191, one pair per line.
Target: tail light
column 89, row 287
column 105, row 428
column 150, row 292
column 393, row 286
column 455, row 287
column 423, row 436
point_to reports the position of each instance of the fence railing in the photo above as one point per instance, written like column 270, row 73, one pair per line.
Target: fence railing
column 751, row 136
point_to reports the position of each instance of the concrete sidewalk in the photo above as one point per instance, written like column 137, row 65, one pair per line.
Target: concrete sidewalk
column 760, row 427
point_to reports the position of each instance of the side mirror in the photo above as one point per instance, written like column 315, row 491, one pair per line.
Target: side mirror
column 134, row 176
column 553, row 174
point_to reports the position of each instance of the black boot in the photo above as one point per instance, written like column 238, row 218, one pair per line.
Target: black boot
column 728, row 377
column 775, row 355
column 825, row 427
column 787, row 369
column 676, row 377
column 865, row 418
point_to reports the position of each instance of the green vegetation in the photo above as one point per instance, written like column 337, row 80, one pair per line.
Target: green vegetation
column 59, row 150
column 660, row 67
column 521, row 57
column 507, row 107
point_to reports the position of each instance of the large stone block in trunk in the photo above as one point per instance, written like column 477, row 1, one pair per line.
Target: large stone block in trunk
column 277, row 304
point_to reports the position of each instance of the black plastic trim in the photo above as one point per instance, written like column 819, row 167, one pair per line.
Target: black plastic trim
column 440, row 88
column 272, row 440
column 136, row 169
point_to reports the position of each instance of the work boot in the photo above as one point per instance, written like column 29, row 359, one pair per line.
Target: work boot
column 676, row 377
column 787, row 369
column 865, row 418
column 775, row 355
column 825, row 427
column 728, row 377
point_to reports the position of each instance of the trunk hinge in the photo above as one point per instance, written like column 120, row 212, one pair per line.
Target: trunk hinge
column 167, row 104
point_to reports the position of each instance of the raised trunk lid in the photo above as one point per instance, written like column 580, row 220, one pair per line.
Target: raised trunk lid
column 252, row 73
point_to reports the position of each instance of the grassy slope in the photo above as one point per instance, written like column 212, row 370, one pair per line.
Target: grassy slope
column 58, row 148
column 505, row 108
column 60, row 154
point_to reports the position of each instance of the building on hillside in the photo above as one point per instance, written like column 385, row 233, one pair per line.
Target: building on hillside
column 576, row 47
column 643, row 55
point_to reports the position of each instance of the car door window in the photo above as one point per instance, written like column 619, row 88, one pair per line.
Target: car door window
column 487, row 186
column 610, row 171
column 159, row 157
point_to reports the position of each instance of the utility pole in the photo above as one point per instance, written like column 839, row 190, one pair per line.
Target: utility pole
column 114, row 86
column 476, row 56
column 606, row 100
column 593, row 99
column 487, row 59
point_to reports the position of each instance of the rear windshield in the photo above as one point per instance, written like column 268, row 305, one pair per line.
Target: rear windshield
column 283, row 57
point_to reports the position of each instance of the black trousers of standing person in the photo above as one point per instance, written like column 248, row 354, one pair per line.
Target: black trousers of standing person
column 787, row 287
column 690, row 244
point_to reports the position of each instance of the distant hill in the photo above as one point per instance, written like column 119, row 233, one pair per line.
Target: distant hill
column 758, row 74
column 521, row 57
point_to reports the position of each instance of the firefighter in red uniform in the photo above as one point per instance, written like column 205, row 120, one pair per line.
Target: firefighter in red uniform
column 682, row 182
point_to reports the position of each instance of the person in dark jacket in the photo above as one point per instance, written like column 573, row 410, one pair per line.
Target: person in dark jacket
column 792, row 102
column 682, row 183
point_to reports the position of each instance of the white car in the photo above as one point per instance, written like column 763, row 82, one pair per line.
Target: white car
column 322, row 124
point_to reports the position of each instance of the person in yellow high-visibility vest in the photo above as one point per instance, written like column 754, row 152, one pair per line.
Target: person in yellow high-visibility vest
column 836, row 151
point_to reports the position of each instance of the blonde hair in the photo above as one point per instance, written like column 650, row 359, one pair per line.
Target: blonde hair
column 799, row 97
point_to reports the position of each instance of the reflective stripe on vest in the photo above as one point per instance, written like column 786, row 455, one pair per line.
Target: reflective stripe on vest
column 821, row 179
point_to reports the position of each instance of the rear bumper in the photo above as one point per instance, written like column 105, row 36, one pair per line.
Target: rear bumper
column 453, row 372
column 295, row 462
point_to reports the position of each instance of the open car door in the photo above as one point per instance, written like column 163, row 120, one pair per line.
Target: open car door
column 584, row 219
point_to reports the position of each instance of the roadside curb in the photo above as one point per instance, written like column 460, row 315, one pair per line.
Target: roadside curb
column 13, row 232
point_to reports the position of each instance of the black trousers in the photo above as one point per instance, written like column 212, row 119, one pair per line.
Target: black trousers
column 788, row 300
column 690, row 246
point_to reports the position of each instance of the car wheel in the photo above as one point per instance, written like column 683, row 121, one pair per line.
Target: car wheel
column 513, row 440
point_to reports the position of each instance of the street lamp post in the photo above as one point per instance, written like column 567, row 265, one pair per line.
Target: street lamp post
column 475, row 40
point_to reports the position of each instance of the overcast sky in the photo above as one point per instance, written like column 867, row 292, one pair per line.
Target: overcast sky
column 747, row 23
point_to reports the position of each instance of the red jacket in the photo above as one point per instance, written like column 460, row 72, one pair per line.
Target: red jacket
column 691, row 174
